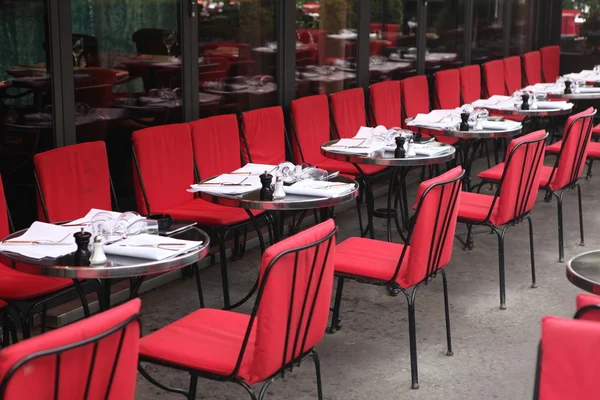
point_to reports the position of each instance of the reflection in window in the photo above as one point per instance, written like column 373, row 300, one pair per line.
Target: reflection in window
column 26, row 125
column 521, row 27
column 238, row 52
column 445, row 35
column 326, row 34
column 488, row 32
column 579, row 23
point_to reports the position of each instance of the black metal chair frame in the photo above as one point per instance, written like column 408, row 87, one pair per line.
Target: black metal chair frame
column 299, row 337
column 519, row 214
column 60, row 350
column 432, row 270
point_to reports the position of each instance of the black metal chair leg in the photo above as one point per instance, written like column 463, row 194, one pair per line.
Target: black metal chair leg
column 531, row 252
column 193, row 387
column 224, row 276
column 589, row 171
column 44, row 315
column 412, row 333
column 335, row 318
column 315, row 357
column 248, row 389
column 263, row 389
column 447, row 311
column 199, row 284
column 561, row 245
column 582, row 243
column 501, row 273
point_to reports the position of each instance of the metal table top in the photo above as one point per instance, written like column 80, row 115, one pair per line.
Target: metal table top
column 252, row 199
column 117, row 266
column 575, row 96
column 583, row 271
column 474, row 134
column 386, row 158
column 553, row 112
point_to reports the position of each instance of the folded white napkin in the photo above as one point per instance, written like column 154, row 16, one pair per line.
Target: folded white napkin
column 147, row 246
column 356, row 146
column 60, row 241
column 553, row 105
column 431, row 149
column 318, row 188
column 366, row 132
column 589, row 90
column 495, row 100
column 255, row 169
column 437, row 119
column 228, row 184
column 500, row 125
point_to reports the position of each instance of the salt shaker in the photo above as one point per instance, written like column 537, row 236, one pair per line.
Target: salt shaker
column 82, row 254
column 266, row 192
column 410, row 149
column 478, row 125
column 278, row 193
column 98, row 257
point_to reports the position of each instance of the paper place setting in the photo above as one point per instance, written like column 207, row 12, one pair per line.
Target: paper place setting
column 443, row 119
column 228, row 184
column 151, row 247
column 554, row 105
column 495, row 102
column 585, row 75
column 42, row 240
column 505, row 125
column 356, row 146
column 319, row 188
column 254, row 169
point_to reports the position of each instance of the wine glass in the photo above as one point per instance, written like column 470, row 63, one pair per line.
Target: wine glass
column 77, row 50
column 169, row 40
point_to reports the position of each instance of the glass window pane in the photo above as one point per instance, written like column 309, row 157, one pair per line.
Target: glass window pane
column 445, row 35
column 488, row 32
column 576, row 25
column 326, row 33
column 238, row 55
column 521, row 26
column 25, row 101
column 127, row 71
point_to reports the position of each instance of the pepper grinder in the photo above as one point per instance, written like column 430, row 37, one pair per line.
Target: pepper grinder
column 410, row 149
column 400, row 152
column 568, row 87
column 525, row 103
column 266, row 192
column 98, row 257
column 278, row 193
column 82, row 254
column 464, row 124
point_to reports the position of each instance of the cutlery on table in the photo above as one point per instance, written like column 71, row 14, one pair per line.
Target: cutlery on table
column 164, row 246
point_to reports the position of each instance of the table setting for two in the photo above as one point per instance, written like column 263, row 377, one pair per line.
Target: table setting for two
column 98, row 233
column 528, row 99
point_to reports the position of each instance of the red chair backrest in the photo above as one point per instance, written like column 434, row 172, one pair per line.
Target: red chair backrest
column 415, row 92
column 520, row 180
column 310, row 118
column 296, row 278
column 263, row 136
column 447, row 89
column 4, row 224
column 73, row 180
column 493, row 77
column 433, row 234
column 97, row 356
column 216, row 142
column 571, row 159
column 512, row 74
column 348, row 110
column 550, row 63
column 532, row 65
column 470, row 83
column 166, row 166
column 588, row 307
column 385, row 104
column 568, row 360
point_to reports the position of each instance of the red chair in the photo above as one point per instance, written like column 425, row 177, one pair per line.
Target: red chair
column 532, row 65
column 568, row 360
column 470, row 83
column 416, row 92
column 385, row 104
column 493, row 78
column 447, row 89
column 348, row 112
column 550, row 58
column 288, row 319
column 512, row 74
column 564, row 175
column 588, row 307
column 263, row 136
column 429, row 249
column 90, row 359
column 164, row 161
column 72, row 180
column 513, row 200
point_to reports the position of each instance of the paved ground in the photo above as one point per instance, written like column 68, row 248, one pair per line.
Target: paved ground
column 494, row 350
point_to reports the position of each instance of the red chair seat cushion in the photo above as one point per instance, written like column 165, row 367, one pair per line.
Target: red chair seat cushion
column 596, row 130
column 206, row 340
column 494, row 174
column 369, row 258
column 587, row 299
column 554, row 148
column 348, row 168
column 16, row 285
column 593, row 150
column 475, row 206
column 206, row 213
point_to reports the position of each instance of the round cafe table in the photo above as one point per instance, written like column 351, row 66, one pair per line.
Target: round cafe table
column 397, row 185
column 117, row 267
column 576, row 96
column 583, row 271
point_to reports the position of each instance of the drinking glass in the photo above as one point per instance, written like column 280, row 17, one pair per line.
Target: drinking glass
column 77, row 50
column 597, row 69
column 169, row 40
column 143, row 226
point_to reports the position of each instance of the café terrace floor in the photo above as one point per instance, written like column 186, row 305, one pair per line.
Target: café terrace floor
column 494, row 350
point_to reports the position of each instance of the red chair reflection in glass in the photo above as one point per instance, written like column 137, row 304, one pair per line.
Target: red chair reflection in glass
column 288, row 319
column 568, row 360
column 564, row 174
column 588, row 307
column 532, row 65
column 512, row 74
column 512, row 203
column 550, row 56
column 470, row 83
column 428, row 250
column 72, row 180
column 90, row 359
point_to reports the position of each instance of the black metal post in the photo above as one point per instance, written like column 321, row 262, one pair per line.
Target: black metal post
column 362, row 56
column 286, row 56
column 188, row 16
column 468, row 31
column 506, row 24
column 421, row 38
